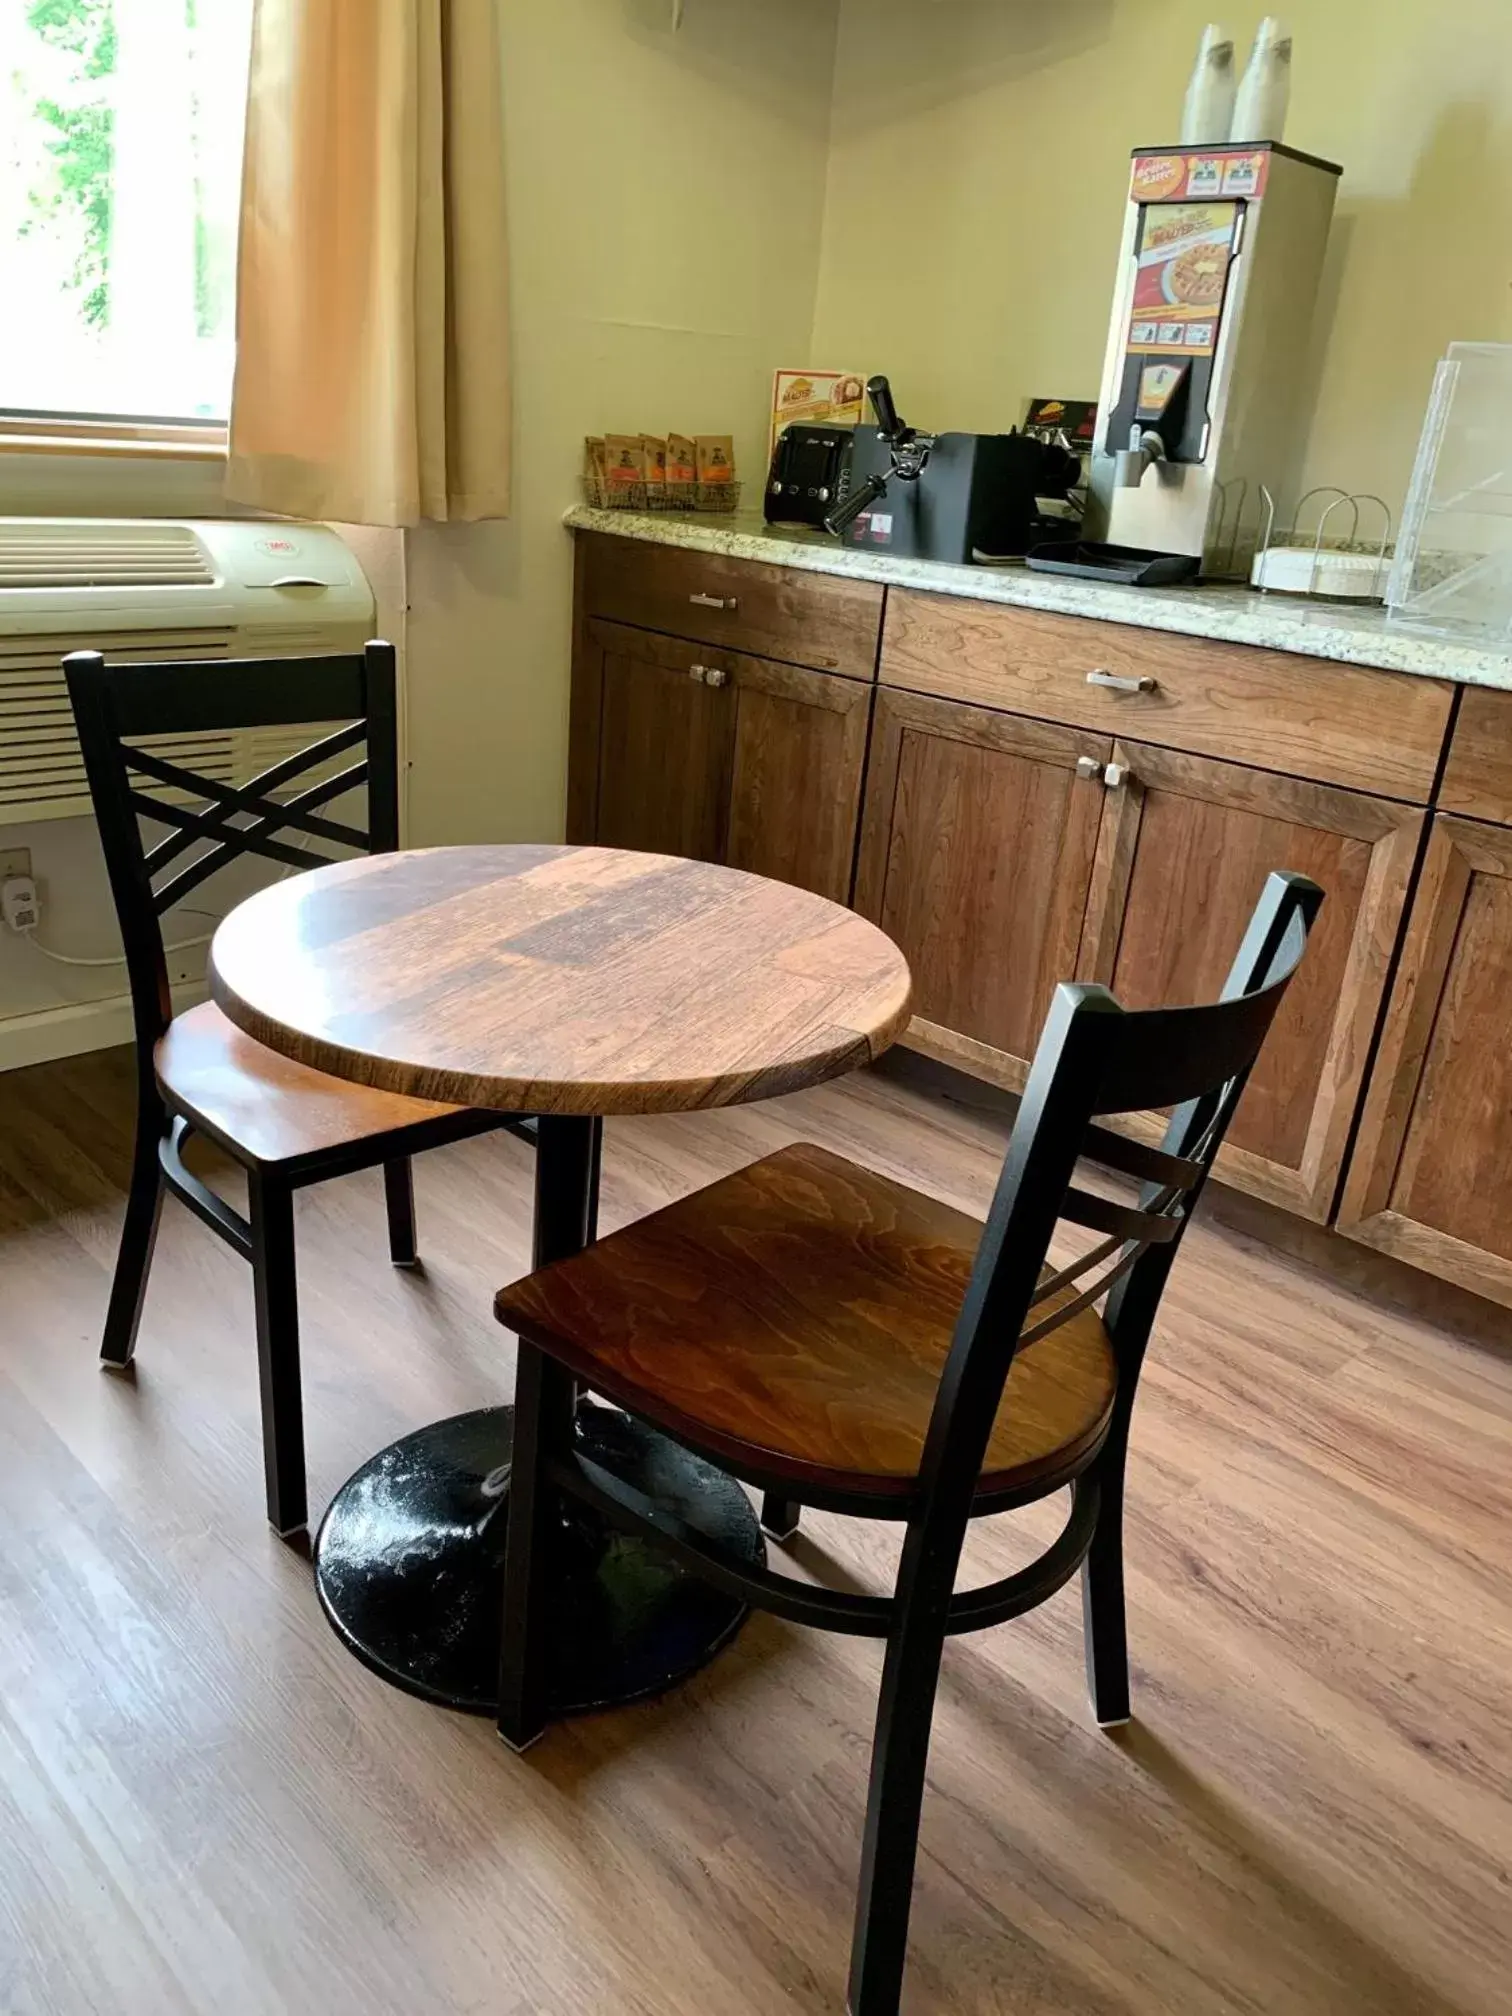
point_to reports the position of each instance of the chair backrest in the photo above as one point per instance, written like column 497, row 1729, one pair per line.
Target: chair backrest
column 1096, row 1059
column 117, row 707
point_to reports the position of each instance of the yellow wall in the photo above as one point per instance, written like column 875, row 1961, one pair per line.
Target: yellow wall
column 986, row 142
column 666, row 199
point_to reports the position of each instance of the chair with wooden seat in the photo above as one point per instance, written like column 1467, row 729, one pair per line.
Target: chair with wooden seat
column 198, row 1074
column 836, row 1339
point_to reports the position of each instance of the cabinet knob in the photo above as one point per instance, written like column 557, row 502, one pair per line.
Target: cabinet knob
column 1088, row 766
column 1115, row 682
column 1116, row 774
column 708, row 675
column 715, row 601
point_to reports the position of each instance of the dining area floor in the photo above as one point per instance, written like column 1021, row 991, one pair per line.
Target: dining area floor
column 207, row 1803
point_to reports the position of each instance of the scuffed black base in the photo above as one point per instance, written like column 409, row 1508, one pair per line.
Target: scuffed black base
column 409, row 1565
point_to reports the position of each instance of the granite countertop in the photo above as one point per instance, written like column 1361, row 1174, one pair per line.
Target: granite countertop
column 1353, row 636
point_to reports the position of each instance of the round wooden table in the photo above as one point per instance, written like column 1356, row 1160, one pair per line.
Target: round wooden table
column 566, row 983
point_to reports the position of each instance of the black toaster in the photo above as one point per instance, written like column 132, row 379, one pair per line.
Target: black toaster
column 810, row 474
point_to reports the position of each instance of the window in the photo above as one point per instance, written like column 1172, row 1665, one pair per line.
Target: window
column 121, row 126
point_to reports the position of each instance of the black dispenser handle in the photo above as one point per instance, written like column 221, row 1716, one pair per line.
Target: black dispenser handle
column 880, row 394
column 847, row 512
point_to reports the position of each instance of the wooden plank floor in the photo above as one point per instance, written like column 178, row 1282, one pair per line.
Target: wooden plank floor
column 205, row 1805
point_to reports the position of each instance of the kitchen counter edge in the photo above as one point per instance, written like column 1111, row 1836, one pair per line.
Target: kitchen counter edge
column 1229, row 614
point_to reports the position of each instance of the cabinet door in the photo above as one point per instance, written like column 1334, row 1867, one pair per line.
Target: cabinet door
column 977, row 843
column 1185, row 849
column 795, row 789
column 664, row 746
column 1431, row 1176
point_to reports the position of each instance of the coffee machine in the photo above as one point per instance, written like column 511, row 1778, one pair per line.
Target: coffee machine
column 1202, row 387
column 954, row 497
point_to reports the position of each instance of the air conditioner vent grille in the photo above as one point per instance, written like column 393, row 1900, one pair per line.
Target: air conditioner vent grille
column 41, row 767
column 66, row 553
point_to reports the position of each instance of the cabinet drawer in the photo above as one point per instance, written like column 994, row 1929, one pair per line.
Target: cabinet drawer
column 771, row 612
column 1305, row 717
column 1478, row 776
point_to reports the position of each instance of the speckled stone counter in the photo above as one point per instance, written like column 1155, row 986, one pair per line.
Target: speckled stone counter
column 1235, row 615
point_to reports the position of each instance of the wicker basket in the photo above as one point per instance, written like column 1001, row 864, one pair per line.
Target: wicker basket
column 715, row 497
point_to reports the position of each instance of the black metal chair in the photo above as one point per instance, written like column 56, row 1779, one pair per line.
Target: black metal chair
column 836, row 1339
column 196, row 1073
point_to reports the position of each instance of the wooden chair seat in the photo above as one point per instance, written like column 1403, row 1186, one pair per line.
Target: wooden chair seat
column 266, row 1108
column 794, row 1320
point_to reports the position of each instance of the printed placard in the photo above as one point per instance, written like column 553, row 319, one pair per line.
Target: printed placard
column 1184, row 256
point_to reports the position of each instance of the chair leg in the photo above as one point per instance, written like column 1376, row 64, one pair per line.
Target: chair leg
column 779, row 1516
column 276, row 1295
column 144, row 1206
column 1105, row 1631
column 895, row 1799
column 542, row 1428
column 399, row 1194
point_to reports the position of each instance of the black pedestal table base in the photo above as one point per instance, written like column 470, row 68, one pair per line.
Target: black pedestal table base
column 409, row 1565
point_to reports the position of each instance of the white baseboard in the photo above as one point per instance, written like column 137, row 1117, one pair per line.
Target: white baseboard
column 51, row 1033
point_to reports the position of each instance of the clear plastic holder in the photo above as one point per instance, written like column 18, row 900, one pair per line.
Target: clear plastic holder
column 1452, row 574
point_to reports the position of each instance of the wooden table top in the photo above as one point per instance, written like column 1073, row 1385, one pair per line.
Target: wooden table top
column 559, row 979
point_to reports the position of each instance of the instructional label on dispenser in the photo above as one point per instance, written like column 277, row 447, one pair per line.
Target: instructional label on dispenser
column 1184, row 254
column 1199, row 172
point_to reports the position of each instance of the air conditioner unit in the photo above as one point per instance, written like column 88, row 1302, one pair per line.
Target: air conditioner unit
column 141, row 590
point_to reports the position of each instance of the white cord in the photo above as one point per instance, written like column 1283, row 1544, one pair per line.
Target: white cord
column 70, row 959
column 184, row 944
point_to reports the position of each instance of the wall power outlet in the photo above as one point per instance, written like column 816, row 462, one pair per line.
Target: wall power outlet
column 15, row 861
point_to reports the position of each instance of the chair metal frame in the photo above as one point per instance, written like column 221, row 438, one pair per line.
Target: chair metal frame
column 1094, row 1060
column 115, row 708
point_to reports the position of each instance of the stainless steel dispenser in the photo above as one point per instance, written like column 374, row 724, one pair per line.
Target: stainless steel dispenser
column 1202, row 394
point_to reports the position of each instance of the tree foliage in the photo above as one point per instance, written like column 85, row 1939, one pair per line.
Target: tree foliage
column 83, row 146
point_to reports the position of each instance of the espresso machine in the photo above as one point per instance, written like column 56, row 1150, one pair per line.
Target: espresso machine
column 1202, row 387
column 955, row 497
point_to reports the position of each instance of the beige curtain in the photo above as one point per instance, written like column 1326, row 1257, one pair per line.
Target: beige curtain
column 372, row 368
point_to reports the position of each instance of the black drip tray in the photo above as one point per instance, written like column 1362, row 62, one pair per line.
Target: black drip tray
column 1131, row 566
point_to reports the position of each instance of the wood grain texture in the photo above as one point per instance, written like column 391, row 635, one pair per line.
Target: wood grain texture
column 270, row 1107
column 1341, row 724
column 820, row 620
column 584, row 716
column 1431, row 1177
column 1478, row 775
column 976, row 853
column 559, row 979
column 964, row 1053
column 665, row 748
column 795, row 787
column 795, row 1318
column 1185, row 850
column 761, row 770
column 206, row 1804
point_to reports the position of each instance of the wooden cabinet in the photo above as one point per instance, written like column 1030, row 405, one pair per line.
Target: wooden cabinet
column 663, row 749
column 799, row 752
column 1185, row 847
column 721, row 757
column 977, row 844
column 824, row 621
column 1302, row 717
column 1019, row 797
column 1431, row 1177
column 1478, row 775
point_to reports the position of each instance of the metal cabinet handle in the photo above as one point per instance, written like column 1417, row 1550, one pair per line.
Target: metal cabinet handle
column 1117, row 683
column 708, row 675
column 1116, row 774
column 715, row 601
column 1088, row 766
